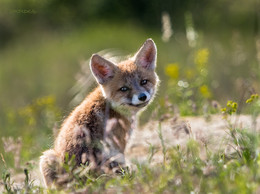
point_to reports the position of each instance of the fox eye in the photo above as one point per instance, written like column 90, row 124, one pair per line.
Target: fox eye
column 143, row 82
column 124, row 89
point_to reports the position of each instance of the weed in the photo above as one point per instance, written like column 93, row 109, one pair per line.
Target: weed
column 183, row 170
column 190, row 90
column 7, row 183
column 164, row 150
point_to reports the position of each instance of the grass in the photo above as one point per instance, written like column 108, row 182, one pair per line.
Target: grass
column 182, row 172
column 183, row 169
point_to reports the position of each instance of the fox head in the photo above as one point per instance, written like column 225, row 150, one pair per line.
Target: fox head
column 131, row 83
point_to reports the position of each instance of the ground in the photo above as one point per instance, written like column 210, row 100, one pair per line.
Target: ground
column 212, row 131
column 175, row 131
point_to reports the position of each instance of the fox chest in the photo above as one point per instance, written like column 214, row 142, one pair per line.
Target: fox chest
column 98, row 129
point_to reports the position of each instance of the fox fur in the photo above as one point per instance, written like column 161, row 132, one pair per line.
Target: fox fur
column 96, row 132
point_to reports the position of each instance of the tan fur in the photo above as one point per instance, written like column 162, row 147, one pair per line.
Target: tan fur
column 97, row 131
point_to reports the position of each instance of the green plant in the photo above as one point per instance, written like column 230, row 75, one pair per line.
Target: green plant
column 189, row 85
column 29, row 128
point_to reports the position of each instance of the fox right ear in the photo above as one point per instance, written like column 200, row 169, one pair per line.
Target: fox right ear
column 147, row 54
column 102, row 69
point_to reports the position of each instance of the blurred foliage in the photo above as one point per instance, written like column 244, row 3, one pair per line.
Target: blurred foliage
column 33, row 125
column 42, row 43
column 17, row 16
column 188, row 88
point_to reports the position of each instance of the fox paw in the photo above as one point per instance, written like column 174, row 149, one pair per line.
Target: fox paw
column 118, row 168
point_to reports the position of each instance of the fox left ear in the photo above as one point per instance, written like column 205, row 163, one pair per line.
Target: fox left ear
column 147, row 54
column 102, row 69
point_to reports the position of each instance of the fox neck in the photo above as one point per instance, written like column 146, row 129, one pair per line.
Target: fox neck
column 123, row 110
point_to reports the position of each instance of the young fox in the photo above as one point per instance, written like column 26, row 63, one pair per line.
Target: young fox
column 96, row 132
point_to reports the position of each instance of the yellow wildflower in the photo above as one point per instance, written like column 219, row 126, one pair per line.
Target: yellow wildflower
column 204, row 90
column 201, row 58
column 172, row 70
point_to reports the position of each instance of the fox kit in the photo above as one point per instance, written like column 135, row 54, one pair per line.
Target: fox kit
column 97, row 131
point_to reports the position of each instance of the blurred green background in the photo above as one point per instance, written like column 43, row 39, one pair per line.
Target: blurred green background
column 208, row 52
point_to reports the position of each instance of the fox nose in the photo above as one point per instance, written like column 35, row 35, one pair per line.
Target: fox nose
column 142, row 97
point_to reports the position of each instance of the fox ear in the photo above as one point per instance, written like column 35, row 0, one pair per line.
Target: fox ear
column 147, row 54
column 102, row 69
